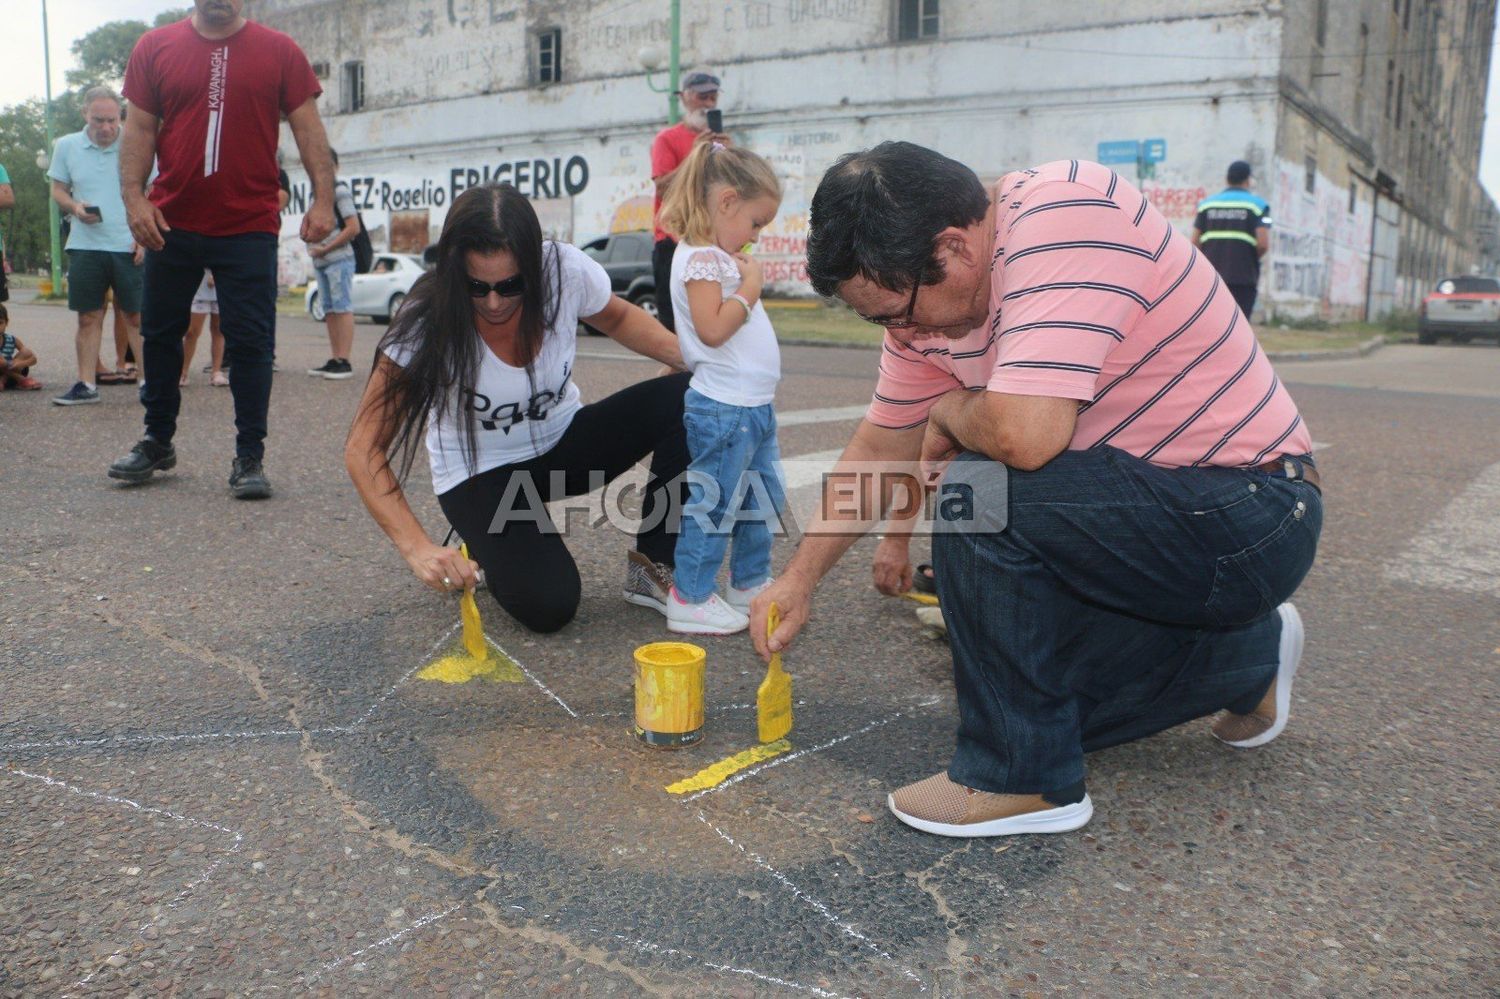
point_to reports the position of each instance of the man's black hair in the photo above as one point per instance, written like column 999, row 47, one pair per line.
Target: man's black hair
column 877, row 213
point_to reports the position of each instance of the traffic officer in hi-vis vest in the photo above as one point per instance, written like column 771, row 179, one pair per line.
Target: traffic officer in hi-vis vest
column 1233, row 229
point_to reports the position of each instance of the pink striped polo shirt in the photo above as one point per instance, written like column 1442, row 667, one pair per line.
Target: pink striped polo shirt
column 1095, row 297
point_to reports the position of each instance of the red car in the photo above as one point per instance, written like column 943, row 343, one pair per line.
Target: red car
column 1461, row 308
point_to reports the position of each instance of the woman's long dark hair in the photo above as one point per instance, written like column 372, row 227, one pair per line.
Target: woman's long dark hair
column 435, row 325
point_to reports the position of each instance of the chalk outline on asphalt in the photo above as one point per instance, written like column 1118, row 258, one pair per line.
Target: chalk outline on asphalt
column 150, row 810
column 796, row 892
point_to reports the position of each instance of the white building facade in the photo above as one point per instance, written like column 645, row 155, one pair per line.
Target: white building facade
column 425, row 98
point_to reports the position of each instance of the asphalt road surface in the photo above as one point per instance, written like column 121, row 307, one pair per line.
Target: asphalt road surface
column 222, row 775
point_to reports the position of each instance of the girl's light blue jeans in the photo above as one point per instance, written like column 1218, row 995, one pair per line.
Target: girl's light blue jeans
column 735, row 493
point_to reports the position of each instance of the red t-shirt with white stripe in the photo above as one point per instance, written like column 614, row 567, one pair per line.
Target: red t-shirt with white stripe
column 219, row 104
column 1095, row 297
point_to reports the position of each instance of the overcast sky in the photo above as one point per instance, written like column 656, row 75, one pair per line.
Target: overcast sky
column 21, row 72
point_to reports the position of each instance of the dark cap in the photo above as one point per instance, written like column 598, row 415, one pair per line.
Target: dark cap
column 700, row 82
column 1239, row 172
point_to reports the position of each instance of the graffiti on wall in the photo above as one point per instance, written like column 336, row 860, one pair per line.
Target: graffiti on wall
column 1320, row 250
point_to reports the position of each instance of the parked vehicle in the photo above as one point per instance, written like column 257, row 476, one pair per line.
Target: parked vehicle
column 379, row 293
column 626, row 257
column 1461, row 308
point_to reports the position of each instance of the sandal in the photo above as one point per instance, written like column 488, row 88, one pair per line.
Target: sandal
column 219, row 380
column 923, row 580
column 109, row 377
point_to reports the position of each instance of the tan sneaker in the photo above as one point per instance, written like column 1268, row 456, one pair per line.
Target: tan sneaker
column 938, row 805
column 1270, row 715
column 647, row 583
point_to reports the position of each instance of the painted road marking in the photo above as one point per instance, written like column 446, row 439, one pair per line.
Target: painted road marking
column 1460, row 549
column 835, row 414
column 719, row 772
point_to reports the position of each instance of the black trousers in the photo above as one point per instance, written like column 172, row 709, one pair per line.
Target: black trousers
column 526, row 561
column 1244, row 297
column 244, row 268
column 661, row 270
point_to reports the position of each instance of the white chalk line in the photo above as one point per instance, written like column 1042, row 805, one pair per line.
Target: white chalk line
column 279, row 733
column 531, row 676
column 426, row 920
column 150, row 810
column 823, row 910
column 780, row 760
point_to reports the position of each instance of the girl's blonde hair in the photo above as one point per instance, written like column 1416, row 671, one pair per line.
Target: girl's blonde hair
column 684, row 208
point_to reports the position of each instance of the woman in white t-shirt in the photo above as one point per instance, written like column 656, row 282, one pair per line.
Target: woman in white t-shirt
column 481, row 356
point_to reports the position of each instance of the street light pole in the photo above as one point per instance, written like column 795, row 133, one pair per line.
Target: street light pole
column 53, row 217
column 674, row 66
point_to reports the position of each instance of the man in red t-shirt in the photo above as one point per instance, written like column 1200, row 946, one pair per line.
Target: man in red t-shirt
column 699, row 93
column 207, row 96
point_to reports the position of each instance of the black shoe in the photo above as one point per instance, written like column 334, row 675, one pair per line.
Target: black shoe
column 146, row 457
column 247, row 480
column 338, row 370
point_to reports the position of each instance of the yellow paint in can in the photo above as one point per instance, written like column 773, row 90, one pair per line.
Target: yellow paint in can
column 669, row 694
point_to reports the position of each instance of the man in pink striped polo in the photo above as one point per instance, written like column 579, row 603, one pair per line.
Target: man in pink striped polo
column 1056, row 339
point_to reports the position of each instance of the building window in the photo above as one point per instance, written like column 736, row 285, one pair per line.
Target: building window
column 1320, row 22
column 1353, row 196
column 549, row 56
column 916, row 19
column 1310, row 182
column 320, row 70
column 1400, row 97
column 354, row 87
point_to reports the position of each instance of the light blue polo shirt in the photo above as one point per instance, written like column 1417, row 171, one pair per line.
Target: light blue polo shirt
column 93, row 174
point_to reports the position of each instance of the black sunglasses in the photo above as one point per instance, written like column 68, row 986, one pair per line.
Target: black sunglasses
column 509, row 288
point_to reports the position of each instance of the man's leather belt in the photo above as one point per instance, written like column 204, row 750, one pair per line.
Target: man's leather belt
column 1292, row 468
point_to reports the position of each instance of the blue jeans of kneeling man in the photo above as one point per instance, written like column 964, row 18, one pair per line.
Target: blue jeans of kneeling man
column 1121, row 599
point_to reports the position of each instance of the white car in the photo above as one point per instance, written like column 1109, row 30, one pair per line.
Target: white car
column 379, row 293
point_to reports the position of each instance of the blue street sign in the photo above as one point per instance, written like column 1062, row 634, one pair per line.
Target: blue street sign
column 1153, row 150
column 1119, row 151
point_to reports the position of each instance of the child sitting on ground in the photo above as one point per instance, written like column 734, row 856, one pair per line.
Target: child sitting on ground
column 16, row 359
column 719, row 200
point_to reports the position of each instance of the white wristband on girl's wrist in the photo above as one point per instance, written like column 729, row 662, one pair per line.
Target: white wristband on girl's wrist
column 743, row 301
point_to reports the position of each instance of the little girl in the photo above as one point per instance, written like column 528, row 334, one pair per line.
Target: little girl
column 719, row 200
column 16, row 359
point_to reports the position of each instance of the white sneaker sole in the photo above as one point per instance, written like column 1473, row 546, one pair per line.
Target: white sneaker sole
column 641, row 600
column 694, row 628
column 337, row 376
column 1290, row 656
column 1064, row 818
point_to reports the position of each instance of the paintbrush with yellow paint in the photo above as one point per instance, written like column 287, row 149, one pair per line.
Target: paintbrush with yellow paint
column 469, row 613
column 773, row 702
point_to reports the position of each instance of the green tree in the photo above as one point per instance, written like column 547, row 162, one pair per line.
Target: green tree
column 103, row 52
column 22, row 135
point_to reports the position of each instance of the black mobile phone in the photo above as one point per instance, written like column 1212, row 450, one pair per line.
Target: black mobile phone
column 716, row 121
column 94, row 211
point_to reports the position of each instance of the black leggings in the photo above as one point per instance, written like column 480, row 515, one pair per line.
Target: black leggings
column 526, row 564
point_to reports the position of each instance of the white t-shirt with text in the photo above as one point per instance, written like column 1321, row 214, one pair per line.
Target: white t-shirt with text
column 517, row 417
column 745, row 369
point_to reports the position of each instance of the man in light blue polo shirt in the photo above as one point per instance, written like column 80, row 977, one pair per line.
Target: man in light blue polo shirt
column 102, row 254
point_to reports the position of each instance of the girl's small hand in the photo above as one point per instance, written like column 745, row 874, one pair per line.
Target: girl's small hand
column 752, row 274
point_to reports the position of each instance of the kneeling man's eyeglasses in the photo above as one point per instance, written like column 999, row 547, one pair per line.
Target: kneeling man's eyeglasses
column 891, row 322
column 509, row 288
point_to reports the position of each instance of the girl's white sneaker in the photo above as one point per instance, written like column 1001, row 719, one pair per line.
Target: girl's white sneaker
column 712, row 617
column 740, row 599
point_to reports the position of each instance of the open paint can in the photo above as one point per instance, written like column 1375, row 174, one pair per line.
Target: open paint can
column 669, row 694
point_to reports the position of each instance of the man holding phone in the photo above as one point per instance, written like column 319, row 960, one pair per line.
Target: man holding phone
column 102, row 254
column 701, row 122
